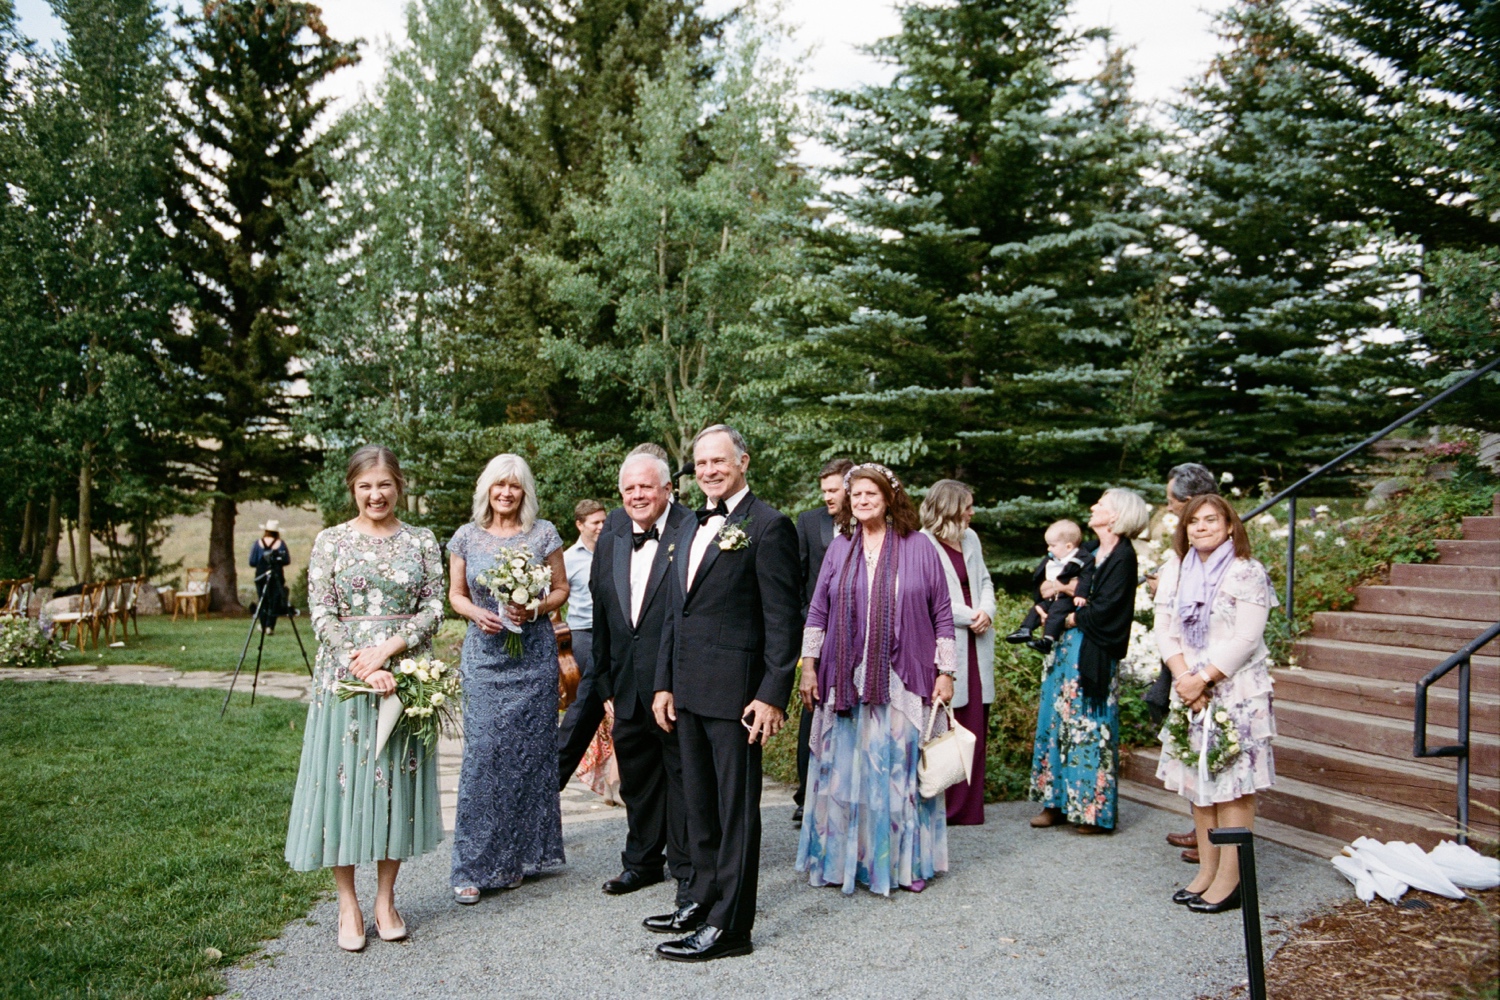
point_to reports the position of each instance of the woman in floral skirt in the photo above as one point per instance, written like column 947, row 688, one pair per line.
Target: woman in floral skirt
column 1211, row 610
column 876, row 653
column 1075, row 766
column 375, row 588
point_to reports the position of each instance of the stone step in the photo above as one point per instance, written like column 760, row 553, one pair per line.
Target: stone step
column 1378, row 735
column 1464, row 605
column 1396, row 663
column 1151, row 793
column 1413, row 631
column 1445, row 577
column 1392, row 699
column 1330, row 812
column 1466, row 552
column 1481, row 529
column 1429, row 783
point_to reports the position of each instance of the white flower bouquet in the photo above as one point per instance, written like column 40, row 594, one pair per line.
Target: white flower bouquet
column 426, row 700
column 518, row 578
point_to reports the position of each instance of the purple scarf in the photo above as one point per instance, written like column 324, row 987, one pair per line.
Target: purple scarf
column 880, row 642
column 1197, row 586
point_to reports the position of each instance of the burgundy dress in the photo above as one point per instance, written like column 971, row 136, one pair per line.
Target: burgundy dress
column 966, row 799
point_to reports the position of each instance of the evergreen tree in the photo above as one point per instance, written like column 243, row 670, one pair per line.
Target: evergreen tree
column 1287, row 261
column 690, row 232
column 99, row 294
column 249, row 118
column 973, row 313
column 383, row 267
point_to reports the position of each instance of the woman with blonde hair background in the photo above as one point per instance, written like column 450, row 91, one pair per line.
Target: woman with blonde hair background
column 509, row 819
column 1075, row 765
column 946, row 512
column 375, row 589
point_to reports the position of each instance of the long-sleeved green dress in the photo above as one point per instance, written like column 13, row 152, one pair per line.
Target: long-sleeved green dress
column 352, row 806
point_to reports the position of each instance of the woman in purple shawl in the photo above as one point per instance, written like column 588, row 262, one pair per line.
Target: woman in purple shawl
column 877, row 650
column 1211, row 610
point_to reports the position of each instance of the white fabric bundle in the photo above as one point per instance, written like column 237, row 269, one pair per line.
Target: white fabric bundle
column 1388, row 870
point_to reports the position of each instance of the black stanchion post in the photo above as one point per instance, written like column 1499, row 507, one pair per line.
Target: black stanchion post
column 1244, row 842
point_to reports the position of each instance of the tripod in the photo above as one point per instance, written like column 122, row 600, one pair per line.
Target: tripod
column 291, row 615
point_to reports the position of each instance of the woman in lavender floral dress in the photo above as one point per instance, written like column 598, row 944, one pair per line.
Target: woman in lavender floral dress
column 375, row 586
column 1211, row 610
column 509, row 819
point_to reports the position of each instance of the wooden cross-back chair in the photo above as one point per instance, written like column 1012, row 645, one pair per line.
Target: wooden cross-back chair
column 86, row 618
column 18, row 595
column 193, row 597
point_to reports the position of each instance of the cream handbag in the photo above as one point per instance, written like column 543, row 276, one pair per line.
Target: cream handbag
column 946, row 760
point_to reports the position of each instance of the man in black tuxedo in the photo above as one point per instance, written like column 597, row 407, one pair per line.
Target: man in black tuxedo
column 814, row 535
column 581, row 721
column 630, row 593
column 723, row 681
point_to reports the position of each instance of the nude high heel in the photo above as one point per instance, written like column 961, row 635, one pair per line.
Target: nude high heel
column 352, row 942
column 397, row 933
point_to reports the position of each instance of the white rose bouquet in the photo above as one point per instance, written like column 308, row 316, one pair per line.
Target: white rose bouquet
column 426, row 700
column 518, row 578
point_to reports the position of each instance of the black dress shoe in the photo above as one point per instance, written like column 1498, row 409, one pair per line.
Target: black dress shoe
column 1042, row 645
column 685, row 919
column 1229, row 902
column 704, row 945
column 1019, row 636
column 797, row 817
column 1182, row 897
column 630, row 881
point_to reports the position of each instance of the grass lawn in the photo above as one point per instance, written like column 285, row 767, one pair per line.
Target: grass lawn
column 210, row 643
column 140, row 832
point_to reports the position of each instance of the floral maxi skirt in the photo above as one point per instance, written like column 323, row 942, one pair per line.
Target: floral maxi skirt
column 1075, row 760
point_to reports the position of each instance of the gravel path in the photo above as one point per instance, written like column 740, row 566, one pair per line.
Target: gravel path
column 1024, row 913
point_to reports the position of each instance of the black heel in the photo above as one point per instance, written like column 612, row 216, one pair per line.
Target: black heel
column 1229, row 902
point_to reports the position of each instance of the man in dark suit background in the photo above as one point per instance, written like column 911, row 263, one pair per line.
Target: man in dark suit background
column 582, row 719
column 814, row 535
column 723, row 682
column 631, row 596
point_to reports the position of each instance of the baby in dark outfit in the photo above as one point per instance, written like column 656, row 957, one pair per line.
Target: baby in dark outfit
column 1066, row 561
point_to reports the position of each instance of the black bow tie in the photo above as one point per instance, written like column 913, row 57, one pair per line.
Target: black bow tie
column 639, row 538
column 719, row 509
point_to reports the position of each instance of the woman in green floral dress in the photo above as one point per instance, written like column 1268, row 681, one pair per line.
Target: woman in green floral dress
column 375, row 588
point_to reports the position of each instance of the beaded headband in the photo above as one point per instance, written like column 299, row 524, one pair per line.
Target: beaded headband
column 887, row 473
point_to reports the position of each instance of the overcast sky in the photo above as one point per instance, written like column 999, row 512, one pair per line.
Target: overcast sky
column 1172, row 40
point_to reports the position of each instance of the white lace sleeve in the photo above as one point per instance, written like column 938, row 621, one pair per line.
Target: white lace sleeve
column 812, row 642
column 945, row 657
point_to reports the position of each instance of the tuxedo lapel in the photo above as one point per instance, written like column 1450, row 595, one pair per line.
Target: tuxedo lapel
column 825, row 529
column 622, row 568
column 662, row 561
column 712, row 554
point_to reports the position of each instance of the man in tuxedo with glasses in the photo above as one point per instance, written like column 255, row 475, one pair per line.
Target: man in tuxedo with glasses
column 733, row 632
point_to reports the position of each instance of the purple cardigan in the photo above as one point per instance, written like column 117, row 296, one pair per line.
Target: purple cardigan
column 923, row 617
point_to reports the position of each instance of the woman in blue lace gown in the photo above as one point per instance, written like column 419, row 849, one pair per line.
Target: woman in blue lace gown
column 509, row 820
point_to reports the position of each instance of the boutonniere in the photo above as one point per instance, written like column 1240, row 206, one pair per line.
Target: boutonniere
column 732, row 537
column 670, row 549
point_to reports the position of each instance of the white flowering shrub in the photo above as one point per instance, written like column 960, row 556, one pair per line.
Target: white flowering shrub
column 24, row 644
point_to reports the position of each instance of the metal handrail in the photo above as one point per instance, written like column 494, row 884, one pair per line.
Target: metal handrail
column 1290, row 493
column 1461, row 660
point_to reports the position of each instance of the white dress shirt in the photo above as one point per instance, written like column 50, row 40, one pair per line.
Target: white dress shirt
column 706, row 532
column 640, row 564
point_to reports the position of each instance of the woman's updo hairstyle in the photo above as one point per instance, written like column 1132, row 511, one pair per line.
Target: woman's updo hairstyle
column 899, row 512
column 374, row 456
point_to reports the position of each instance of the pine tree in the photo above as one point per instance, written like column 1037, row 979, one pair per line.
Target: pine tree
column 972, row 316
column 675, row 254
column 249, row 120
column 101, row 292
